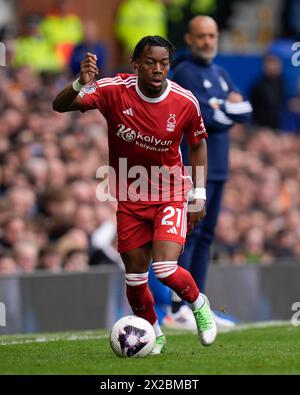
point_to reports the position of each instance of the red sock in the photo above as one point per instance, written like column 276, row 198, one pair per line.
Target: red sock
column 182, row 283
column 140, row 299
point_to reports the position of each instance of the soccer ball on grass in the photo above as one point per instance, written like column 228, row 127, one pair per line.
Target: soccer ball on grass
column 132, row 337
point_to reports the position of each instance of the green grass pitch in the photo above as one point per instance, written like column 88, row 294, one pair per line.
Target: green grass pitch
column 256, row 350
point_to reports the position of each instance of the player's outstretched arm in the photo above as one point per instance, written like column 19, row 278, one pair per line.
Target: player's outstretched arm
column 68, row 99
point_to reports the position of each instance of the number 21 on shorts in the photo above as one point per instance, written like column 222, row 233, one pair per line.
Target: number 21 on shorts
column 170, row 213
column 175, row 217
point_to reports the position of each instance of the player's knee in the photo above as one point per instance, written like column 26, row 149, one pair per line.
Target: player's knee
column 134, row 264
column 163, row 269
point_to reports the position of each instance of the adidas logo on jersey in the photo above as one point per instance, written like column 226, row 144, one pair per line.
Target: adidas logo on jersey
column 128, row 112
column 173, row 230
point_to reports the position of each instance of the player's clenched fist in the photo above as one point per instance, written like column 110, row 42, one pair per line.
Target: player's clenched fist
column 195, row 214
column 88, row 68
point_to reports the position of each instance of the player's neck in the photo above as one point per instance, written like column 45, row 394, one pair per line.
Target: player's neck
column 149, row 93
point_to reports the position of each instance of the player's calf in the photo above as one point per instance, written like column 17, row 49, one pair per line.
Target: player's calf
column 139, row 296
column 176, row 278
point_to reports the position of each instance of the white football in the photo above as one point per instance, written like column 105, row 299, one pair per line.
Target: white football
column 132, row 337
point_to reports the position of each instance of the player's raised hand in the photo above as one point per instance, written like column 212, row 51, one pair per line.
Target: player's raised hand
column 88, row 68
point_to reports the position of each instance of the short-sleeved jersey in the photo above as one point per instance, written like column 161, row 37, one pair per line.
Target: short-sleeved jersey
column 146, row 132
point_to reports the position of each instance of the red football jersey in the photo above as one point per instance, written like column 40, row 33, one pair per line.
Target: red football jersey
column 147, row 133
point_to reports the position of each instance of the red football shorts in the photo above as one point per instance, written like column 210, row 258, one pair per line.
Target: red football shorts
column 138, row 224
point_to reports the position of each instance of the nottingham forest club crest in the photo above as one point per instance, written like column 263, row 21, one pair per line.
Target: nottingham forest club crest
column 171, row 123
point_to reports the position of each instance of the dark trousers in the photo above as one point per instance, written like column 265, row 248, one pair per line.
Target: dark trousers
column 196, row 254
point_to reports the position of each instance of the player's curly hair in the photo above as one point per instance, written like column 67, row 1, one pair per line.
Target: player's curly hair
column 153, row 41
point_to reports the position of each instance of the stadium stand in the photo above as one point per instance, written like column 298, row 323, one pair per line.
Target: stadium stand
column 49, row 213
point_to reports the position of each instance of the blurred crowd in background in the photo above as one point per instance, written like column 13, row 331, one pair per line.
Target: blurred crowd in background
column 50, row 217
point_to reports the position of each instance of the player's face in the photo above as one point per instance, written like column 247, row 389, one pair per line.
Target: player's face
column 203, row 40
column 152, row 68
